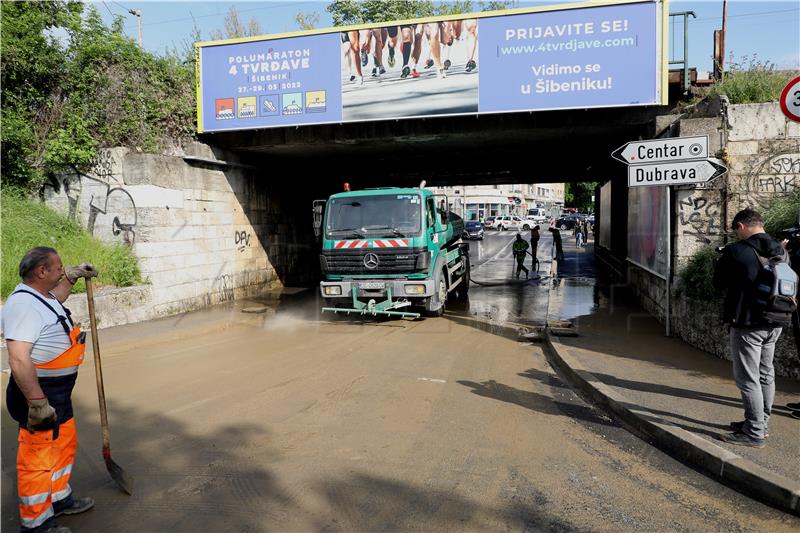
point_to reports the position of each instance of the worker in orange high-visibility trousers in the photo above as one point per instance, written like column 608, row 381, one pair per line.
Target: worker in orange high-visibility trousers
column 44, row 351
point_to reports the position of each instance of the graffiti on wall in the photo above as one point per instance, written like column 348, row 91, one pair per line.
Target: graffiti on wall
column 97, row 200
column 699, row 216
column 241, row 239
column 775, row 174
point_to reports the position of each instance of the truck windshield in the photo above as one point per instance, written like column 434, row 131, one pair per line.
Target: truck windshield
column 380, row 215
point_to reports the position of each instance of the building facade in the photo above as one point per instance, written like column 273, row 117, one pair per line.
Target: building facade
column 479, row 202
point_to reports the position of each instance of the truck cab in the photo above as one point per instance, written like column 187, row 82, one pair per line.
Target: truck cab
column 387, row 249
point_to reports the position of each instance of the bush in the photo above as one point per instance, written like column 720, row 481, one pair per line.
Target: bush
column 782, row 214
column 697, row 276
column 752, row 81
column 28, row 223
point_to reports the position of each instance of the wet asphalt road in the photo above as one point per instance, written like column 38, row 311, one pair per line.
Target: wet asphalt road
column 293, row 421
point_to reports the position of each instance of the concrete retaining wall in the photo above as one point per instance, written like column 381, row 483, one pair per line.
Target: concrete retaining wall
column 762, row 150
column 206, row 228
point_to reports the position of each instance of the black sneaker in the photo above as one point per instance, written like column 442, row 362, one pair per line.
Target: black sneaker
column 406, row 72
column 742, row 440
column 447, row 64
column 793, row 406
column 79, row 505
column 796, row 414
column 737, row 428
column 429, row 63
column 471, row 65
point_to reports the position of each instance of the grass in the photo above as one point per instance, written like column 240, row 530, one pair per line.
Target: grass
column 782, row 214
column 27, row 223
column 752, row 81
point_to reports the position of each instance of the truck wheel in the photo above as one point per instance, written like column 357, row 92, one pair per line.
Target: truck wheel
column 563, row 226
column 440, row 297
column 463, row 287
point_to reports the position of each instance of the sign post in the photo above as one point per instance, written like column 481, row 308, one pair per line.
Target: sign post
column 677, row 161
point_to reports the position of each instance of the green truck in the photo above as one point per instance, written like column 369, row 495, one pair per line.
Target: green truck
column 385, row 251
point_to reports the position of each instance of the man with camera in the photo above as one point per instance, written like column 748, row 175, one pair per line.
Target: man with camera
column 755, row 323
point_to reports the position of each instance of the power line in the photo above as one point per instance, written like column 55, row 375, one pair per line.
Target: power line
column 120, row 5
column 754, row 14
column 109, row 10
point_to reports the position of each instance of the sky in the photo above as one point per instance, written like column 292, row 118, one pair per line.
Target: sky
column 768, row 31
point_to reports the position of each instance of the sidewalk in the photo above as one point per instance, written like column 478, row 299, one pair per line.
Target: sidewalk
column 622, row 359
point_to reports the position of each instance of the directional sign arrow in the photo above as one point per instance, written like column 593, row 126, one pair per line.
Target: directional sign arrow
column 677, row 173
column 667, row 150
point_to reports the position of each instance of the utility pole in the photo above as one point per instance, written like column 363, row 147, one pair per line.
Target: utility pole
column 722, row 40
column 138, row 14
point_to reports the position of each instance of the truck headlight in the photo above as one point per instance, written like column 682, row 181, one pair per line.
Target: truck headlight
column 414, row 289
column 332, row 290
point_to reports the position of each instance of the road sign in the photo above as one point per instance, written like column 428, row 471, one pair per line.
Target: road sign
column 658, row 150
column 675, row 173
column 790, row 100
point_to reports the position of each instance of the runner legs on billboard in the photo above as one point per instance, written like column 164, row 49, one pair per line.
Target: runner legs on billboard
column 390, row 37
column 419, row 29
column 346, row 55
column 433, row 32
column 377, row 54
column 407, row 34
column 472, row 38
column 354, row 48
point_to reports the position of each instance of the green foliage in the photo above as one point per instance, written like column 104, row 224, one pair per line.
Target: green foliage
column 782, row 214
column 63, row 99
column 752, row 81
column 28, row 223
column 697, row 276
column 579, row 195
column 347, row 12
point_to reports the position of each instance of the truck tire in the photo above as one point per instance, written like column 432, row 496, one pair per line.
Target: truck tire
column 526, row 227
column 440, row 297
column 463, row 287
column 563, row 226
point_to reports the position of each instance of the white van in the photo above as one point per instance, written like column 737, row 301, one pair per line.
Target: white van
column 537, row 214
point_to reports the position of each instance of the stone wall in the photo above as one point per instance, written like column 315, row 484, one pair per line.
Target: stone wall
column 206, row 228
column 762, row 150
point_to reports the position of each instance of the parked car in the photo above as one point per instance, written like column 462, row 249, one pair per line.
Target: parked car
column 568, row 221
column 473, row 230
column 488, row 222
column 511, row 222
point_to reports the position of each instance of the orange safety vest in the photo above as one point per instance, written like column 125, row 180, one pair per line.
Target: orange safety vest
column 72, row 356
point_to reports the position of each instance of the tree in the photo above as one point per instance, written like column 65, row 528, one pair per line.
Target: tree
column 307, row 21
column 579, row 195
column 235, row 28
column 72, row 85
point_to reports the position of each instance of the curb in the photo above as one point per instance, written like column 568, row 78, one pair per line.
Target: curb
column 737, row 472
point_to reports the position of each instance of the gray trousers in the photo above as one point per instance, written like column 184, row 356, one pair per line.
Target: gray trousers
column 752, row 350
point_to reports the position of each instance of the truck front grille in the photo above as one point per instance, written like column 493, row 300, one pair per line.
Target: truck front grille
column 394, row 261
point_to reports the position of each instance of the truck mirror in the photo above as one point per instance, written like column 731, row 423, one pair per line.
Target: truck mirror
column 317, row 209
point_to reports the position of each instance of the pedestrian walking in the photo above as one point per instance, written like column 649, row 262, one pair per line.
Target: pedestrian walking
column 558, row 248
column 520, row 249
column 45, row 349
column 753, row 332
column 578, row 236
column 535, row 246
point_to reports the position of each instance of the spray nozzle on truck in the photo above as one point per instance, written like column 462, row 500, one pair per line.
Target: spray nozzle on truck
column 387, row 250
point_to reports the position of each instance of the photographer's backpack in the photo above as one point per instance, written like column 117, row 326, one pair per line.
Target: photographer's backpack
column 776, row 288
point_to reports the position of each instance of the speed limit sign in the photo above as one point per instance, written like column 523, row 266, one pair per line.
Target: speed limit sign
column 790, row 100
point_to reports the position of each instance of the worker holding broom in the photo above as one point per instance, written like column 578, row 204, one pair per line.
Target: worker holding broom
column 45, row 349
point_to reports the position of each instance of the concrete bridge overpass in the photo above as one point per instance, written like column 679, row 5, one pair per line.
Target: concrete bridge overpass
column 553, row 146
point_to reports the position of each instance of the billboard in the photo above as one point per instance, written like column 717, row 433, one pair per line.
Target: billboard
column 555, row 57
column 647, row 228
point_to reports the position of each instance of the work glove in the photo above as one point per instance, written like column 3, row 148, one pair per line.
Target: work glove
column 40, row 414
column 84, row 270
